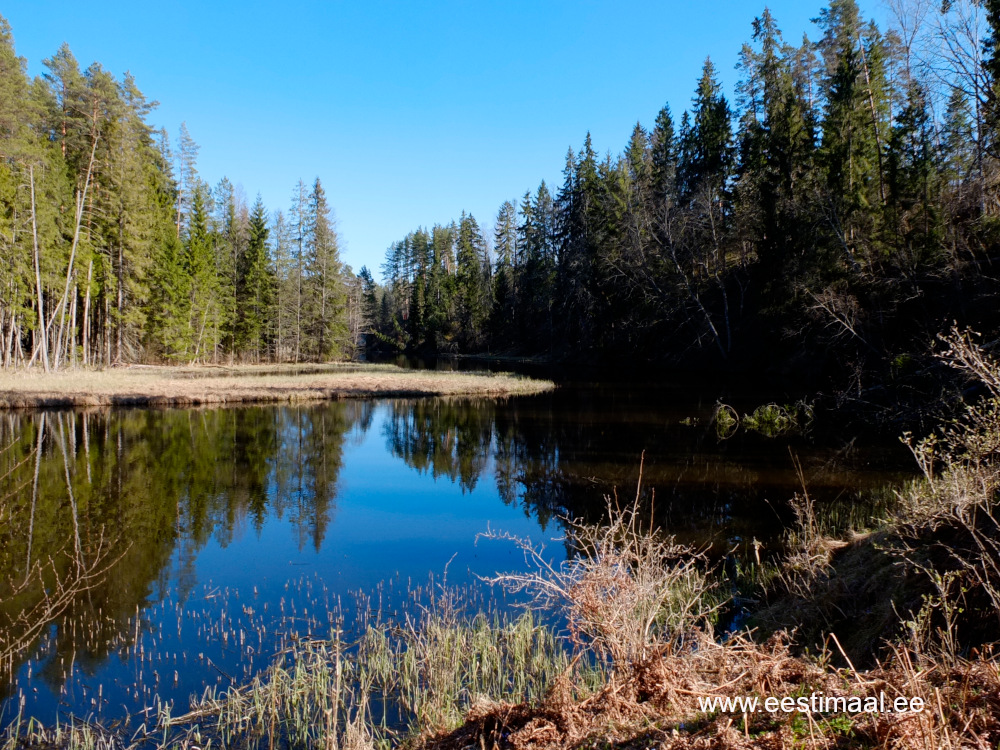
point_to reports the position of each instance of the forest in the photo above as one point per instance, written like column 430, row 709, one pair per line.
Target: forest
column 113, row 250
column 833, row 218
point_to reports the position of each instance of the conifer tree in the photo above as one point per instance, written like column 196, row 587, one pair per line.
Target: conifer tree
column 775, row 156
column 285, row 287
column 255, row 290
column 663, row 158
column 706, row 142
column 168, row 329
column 912, row 177
column 505, row 276
column 297, row 224
column 324, row 295
column 441, row 286
column 370, row 299
column 206, row 311
column 853, row 123
column 471, row 280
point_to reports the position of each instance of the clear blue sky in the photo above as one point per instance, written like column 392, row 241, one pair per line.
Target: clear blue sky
column 408, row 112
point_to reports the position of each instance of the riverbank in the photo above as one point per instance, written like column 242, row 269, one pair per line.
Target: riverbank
column 208, row 385
column 875, row 629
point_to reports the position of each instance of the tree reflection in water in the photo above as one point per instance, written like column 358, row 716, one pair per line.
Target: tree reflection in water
column 166, row 485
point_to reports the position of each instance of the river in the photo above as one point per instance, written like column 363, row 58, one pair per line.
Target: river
column 221, row 534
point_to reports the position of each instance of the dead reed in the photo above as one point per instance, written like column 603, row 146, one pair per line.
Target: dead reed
column 183, row 386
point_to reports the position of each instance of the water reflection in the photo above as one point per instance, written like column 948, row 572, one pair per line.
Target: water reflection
column 561, row 453
column 153, row 486
column 241, row 520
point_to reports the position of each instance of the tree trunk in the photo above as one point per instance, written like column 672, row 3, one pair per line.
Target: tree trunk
column 81, row 200
column 71, row 336
column 107, row 331
column 41, row 344
column 120, row 303
column 86, row 313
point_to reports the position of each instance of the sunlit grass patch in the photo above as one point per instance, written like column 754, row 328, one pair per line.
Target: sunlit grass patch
column 179, row 386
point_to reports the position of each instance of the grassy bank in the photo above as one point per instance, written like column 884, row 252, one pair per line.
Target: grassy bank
column 205, row 385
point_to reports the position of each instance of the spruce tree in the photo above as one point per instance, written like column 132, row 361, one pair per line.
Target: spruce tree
column 471, row 277
column 505, row 277
column 324, row 296
column 706, row 144
column 853, row 123
column 256, row 290
column 203, row 280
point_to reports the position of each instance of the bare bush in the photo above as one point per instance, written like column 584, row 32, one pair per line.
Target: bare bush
column 965, row 354
column 947, row 522
column 629, row 591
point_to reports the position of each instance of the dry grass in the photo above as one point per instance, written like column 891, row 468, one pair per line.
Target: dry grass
column 397, row 680
column 204, row 385
column 658, row 706
column 626, row 593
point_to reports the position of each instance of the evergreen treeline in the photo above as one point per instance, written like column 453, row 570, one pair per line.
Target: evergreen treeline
column 844, row 207
column 113, row 249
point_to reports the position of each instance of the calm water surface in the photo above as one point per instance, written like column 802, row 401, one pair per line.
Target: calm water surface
column 230, row 531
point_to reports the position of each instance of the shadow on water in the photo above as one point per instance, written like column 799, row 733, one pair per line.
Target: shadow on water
column 233, row 530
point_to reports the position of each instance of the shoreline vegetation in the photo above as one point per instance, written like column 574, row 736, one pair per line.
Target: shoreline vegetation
column 651, row 628
column 245, row 384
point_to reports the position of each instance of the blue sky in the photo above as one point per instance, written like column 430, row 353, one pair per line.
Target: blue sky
column 408, row 112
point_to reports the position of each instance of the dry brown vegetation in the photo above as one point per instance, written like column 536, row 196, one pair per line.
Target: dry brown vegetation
column 204, row 385
column 657, row 707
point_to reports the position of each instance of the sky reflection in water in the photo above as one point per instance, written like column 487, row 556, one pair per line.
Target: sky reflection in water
column 240, row 527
